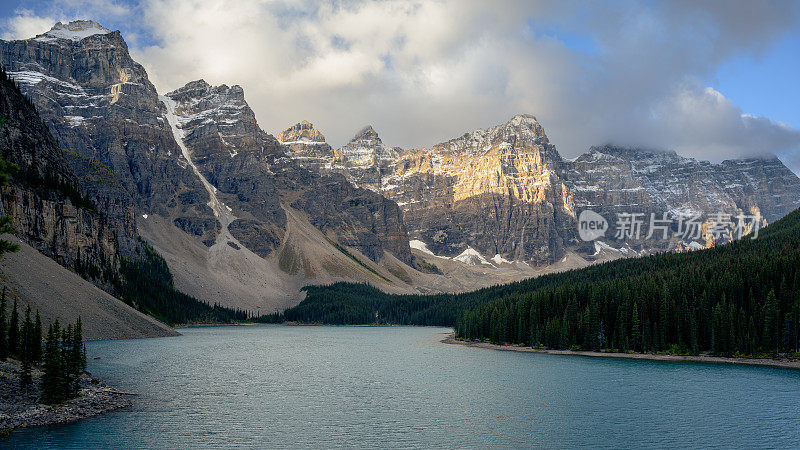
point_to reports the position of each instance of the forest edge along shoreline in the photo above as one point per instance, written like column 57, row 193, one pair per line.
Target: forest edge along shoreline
column 762, row 362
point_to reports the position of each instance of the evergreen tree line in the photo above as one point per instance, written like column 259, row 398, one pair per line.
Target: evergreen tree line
column 345, row 303
column 13, row 84
column 148, row 286
column 739, row 299
column 62, row 359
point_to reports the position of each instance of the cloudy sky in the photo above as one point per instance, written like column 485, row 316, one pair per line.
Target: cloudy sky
column 712, row 80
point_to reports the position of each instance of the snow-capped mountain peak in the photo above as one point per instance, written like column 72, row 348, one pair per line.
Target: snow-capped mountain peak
column 76, row 30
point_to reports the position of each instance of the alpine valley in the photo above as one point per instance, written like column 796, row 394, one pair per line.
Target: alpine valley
column 244, row 219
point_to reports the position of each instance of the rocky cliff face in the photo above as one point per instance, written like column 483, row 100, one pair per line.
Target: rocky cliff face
column 505, row 191
column 496, row 191
column 100, row 105
column 306, row 145
column 254, row 178
column 615, row 180
column 44, row 198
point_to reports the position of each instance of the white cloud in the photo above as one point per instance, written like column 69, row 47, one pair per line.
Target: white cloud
column 26, row 25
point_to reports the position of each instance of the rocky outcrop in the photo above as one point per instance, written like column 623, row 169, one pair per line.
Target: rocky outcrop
column 44, row 198
column 301, row 133
column 506, row 191
column 497, row 191
column 305, row 144
column 100, row 105
column 253, row 177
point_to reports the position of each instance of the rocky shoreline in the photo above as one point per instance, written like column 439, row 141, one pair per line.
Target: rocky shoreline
column 20, row 409
column 782, row 363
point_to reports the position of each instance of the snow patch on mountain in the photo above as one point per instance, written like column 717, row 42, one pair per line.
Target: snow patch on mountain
column 421, row 246
column 74, row 31
column 599, row 246
column 221, row 211
column 498, row 259
column 472, row 257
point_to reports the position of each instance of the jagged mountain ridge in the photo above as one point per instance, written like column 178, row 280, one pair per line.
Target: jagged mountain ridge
column 60, row 234
column 506, row 191
column 104, row 111
column 100, row 106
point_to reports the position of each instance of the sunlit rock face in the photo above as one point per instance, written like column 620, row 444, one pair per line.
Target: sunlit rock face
column 100, row 105
column 497, row 191
column 305, row 144
column 506, row 190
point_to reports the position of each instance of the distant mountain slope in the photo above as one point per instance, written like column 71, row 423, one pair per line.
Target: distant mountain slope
column 57, row 293
column 505, row 192
column 196, row 160
column 739, row 298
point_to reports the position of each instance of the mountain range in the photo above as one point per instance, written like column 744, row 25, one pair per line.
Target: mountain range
column 245, row 219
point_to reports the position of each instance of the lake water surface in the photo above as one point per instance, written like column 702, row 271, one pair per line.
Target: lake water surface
column 296, row 386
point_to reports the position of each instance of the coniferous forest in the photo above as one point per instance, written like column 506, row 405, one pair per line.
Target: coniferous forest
column 147, row 285
column 738, row 299
column 62, row 358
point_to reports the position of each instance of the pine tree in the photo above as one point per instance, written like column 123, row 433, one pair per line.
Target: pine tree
column 771, row 323
column 13, row 330
column 77, row 357
column 51, row 378
column 3, row 336
column 636, row 333
column 67, row 363
column 37, row 341
column 26, row 349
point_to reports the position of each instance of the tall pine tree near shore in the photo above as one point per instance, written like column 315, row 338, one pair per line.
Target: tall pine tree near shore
column 37, row 342
column 26, row 349
column 3, row 336
column 51, row 378
column 13, row 330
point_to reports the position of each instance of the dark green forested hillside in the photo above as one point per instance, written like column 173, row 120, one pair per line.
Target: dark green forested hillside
column 739, row 298
column 147, row 285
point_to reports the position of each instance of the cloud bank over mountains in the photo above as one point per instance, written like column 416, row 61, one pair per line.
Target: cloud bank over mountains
column 629, row 73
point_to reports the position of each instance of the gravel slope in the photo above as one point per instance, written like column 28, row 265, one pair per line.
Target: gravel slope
column 58, row 293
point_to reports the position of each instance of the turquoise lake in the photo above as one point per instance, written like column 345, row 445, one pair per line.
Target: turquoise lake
column 275, row 386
